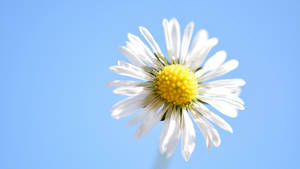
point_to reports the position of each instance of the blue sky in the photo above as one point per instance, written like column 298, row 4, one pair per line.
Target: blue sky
column 55, row 106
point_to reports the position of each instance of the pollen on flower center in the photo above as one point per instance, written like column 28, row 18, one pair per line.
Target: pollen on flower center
column 176, row 84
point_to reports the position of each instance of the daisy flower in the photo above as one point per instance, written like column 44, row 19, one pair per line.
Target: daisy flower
column 176, row 89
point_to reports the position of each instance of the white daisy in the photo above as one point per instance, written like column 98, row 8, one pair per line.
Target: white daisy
column 173, row 90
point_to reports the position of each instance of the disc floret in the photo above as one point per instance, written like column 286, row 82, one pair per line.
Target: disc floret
column 176, row 84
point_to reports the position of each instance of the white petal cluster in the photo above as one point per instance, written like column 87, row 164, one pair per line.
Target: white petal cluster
column 223, row 95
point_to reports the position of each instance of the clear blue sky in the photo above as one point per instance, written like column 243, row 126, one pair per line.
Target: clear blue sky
column 54, row 59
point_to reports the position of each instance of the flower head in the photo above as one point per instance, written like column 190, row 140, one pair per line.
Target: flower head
column 176, row 88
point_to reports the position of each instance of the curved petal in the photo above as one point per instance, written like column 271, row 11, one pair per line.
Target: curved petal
column 130, row 70
column 215, row 61
column 131, row 56
column 141, row 50
column 226, row 83
column 210, row 130
column 149, row 122
column 225, row 68
column 123, row 83
column 164, row 131
column 150, row 39
column 168, row 39
column 222, row 100
column 212, row 63
column 174, row 139
column 223, row 107
column 174, row 29
column 215, row 137
column 198, row 55
column 152, row 107
column 188, row 136
column 223, row 94
column 202, row 109
column 186, row 39
column 199, row 40
column 201, row 125
column 129, row 90
column 128, row 106
column 170, row 133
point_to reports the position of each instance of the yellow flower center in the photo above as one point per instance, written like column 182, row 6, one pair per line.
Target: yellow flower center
column 176, row 84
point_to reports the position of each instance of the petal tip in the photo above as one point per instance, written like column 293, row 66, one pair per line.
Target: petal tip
column 114, row 116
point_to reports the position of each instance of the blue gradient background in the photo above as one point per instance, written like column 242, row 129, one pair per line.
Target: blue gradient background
column 55, row 106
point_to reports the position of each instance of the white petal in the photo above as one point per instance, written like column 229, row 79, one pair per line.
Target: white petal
column 230, row 98
column 169, row 43
column 215, row 61
column 212, row 63
column 126, row 111
column 128, row 106
column 149, row 122
column 188, row 136
column 141, row 50
column 123, row 83
column 215, row 137
column 200, row 108
column 199, row 40
column 226, row 83
column 129, row 90
column 201, row 125
column 222, row 93
column 130, row 70
column 131, row 57
column 150, row 40
column 186, row 39
column 175, row 37
column 174, row 139
column 205, row 125
column 164, row 131
column 225, row 68
column 152, row 107
column 144, row 53
column 235, row 91
column 173, row 142
column 199, row 54
column 222, row 100
column 170, row 132
column 224, row 108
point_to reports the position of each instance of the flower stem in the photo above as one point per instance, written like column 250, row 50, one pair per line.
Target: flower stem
column 161, row 162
